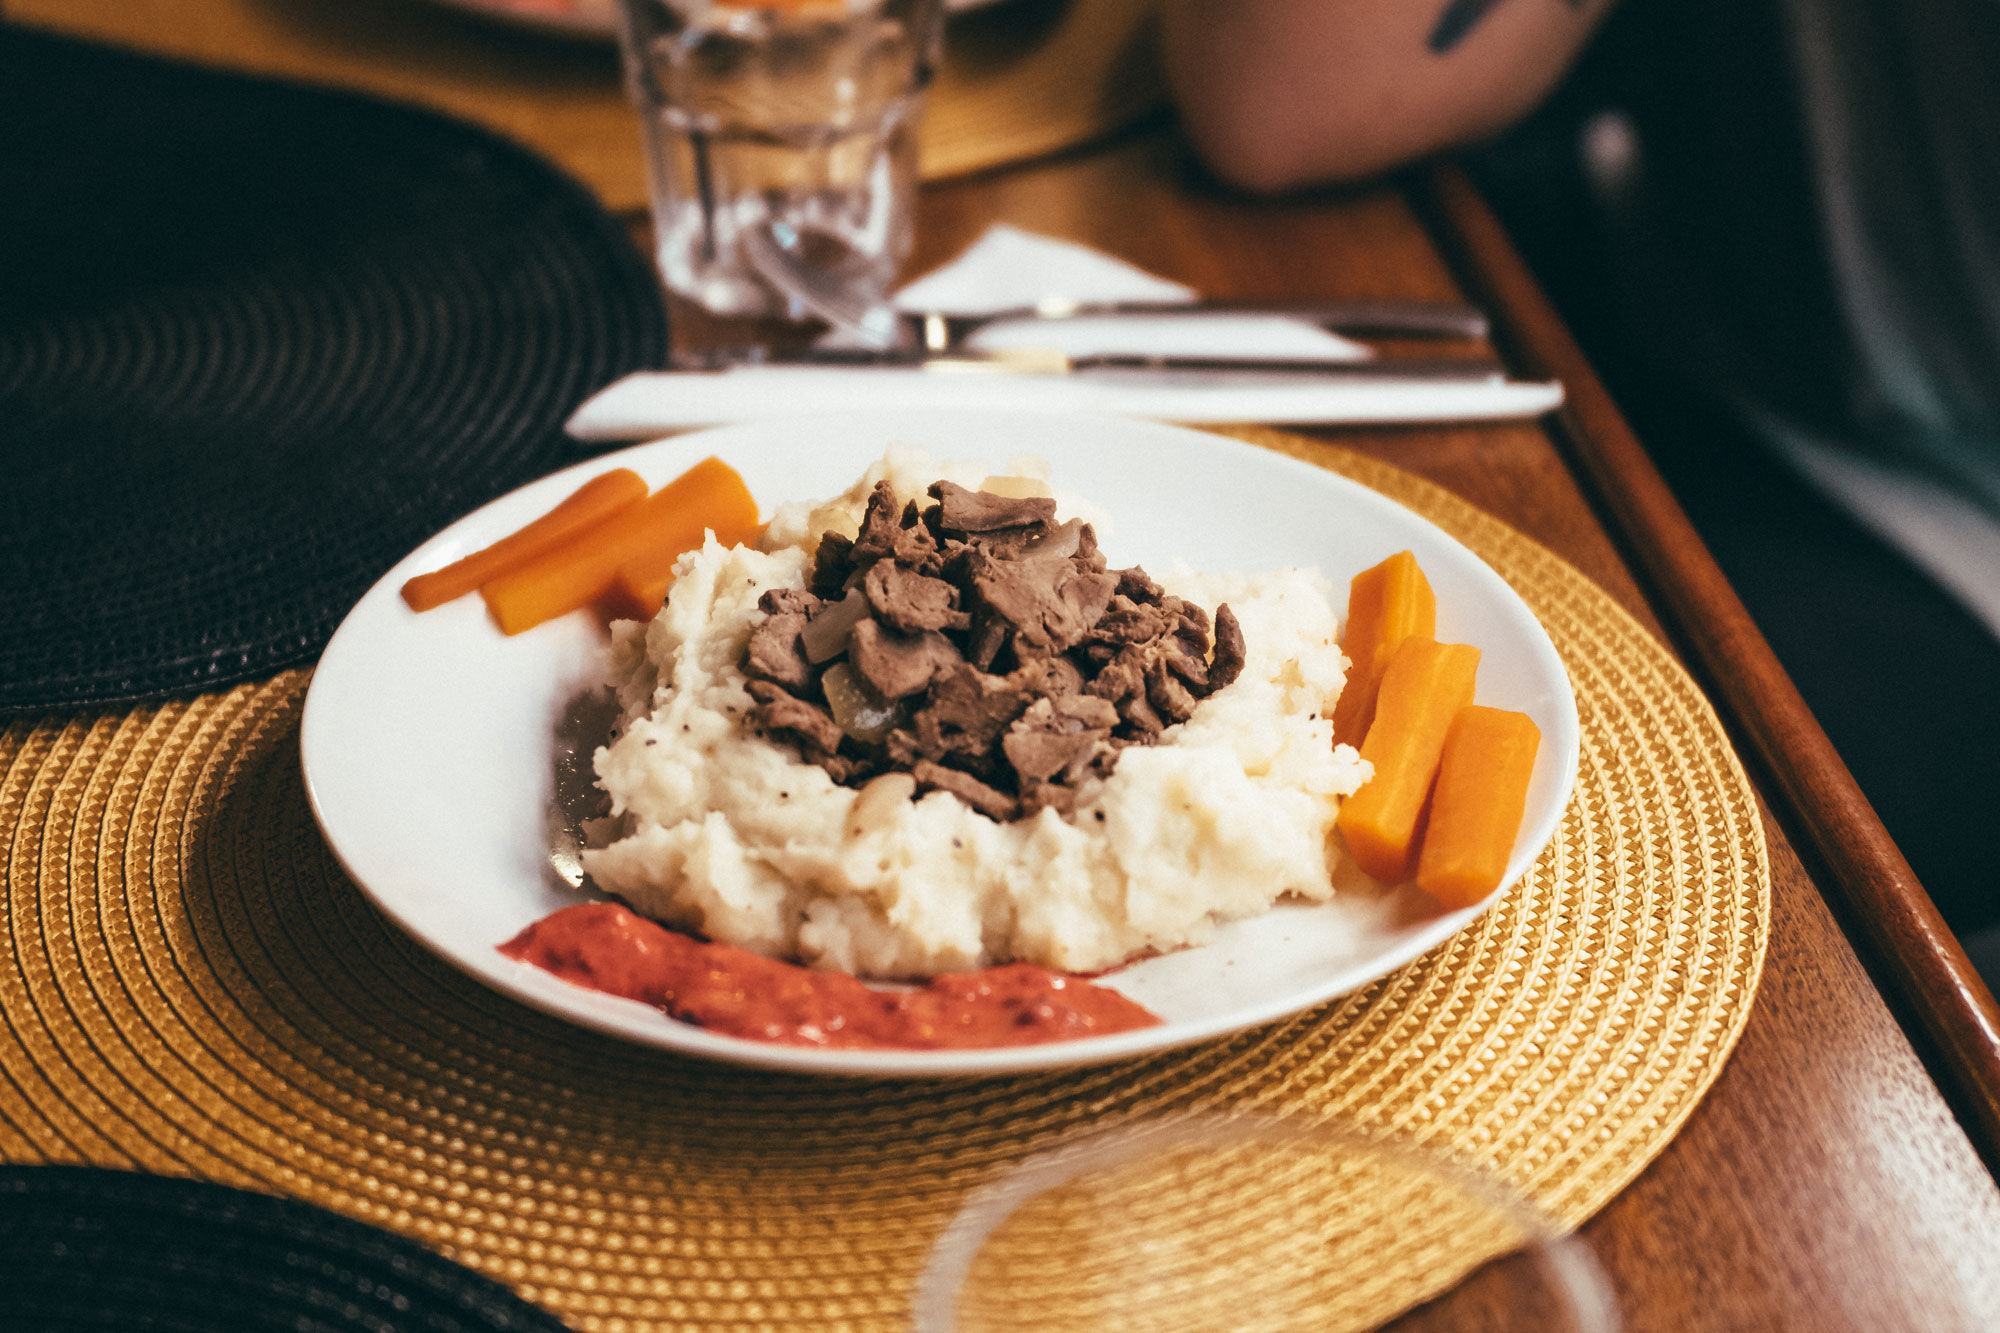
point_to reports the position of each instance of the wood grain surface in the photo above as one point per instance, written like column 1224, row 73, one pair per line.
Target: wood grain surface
column 1905, row 940
column 1825, row 1181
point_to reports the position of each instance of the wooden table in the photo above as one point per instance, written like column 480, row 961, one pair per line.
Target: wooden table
column 1838, row 1174
column 1826, row 1180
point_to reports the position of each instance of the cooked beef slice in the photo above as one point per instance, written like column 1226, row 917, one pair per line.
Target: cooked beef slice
column 898, row 664
column 1167, row 692
column 832, row 563
column 989, row 801
column 1017, row 671
column 1050, row 603
column 965, row 711
column 1229, row 649
column 780, row 713
column 1047, row 674
column 1046, row 742
column 907, row 600
column 1137, row 585
column 775, row 653
column 880, row 523
column 1127, row 621
column 961, row 511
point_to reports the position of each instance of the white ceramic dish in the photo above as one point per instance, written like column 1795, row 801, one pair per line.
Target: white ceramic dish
column 427, row 739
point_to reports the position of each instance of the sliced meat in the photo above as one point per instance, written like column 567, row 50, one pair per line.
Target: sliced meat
column 987, row 800
column 1051, row 604
column 1126, row 620
column 780, row 713
column 1120, row 678
column 1047, row 674
column 881, row 523
column 1137, row 585
column 1046, row 743
column 1227, row 664
column 1086, row 548
column 910, row 601
column 966, row 712
column 779, row 600
column 776, row 654
column 1019, row 663
column 833, row 562
column 898, row 664
column 1167, row 692
column 962, row 511
column 1039, row 796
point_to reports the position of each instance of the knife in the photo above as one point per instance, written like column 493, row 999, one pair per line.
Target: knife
column 1042, row 361
column 648, row 404
column 943, row 330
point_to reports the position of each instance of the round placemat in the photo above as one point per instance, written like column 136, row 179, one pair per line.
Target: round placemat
column 189, row 986
column 88, row 1248
column 1020, row 78
column 256, row 342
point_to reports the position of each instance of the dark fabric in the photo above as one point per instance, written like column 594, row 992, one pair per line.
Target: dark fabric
column 257, row 341
column 86, row 1248
column 1700, row 282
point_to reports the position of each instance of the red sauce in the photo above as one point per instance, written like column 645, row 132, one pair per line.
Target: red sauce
column 610, row 948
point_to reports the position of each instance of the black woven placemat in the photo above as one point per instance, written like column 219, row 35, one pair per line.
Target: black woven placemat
column 257, row 341
column 86, row 1248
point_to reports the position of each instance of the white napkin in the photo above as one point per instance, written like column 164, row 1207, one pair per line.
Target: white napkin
column 1008, row 268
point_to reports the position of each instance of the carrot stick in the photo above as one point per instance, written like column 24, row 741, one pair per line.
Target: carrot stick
column 1423, row 687
column 592, row 503
column 585, row 571
column 1385, row 605
column 1476, row 806
column 716, row 501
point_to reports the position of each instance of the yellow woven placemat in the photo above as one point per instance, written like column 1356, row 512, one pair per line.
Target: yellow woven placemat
column 189, row 985
column 1019, row 80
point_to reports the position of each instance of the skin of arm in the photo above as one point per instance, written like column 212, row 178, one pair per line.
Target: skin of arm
column 1277, row 94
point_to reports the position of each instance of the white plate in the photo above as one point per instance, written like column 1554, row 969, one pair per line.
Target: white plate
column 427, row 738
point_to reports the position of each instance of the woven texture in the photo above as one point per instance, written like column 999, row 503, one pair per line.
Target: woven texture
column 1020, row 80
column 256, row 342
column 190, row 986
column 85, row 1248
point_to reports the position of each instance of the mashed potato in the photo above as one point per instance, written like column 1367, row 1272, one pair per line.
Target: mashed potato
column 733, row 836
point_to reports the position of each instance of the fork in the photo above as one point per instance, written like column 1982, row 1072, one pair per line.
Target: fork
column 838, row 299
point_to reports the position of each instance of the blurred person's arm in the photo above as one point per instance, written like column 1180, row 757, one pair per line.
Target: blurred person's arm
column 1281, row 93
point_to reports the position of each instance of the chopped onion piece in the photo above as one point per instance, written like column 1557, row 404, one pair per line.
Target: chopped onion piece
column 1017, row 488
column 859, row 711
column 825, row 635
column 1057, row 544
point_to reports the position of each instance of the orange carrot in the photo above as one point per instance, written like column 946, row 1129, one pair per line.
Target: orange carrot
column 1476, row 806
column 595, row 501
column 714, row 499
column 1423, row 687
column 1385, row 605
column 586, row 570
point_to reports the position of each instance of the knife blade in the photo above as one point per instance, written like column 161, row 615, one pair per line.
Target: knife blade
column 1041, row 361
column 942, row 330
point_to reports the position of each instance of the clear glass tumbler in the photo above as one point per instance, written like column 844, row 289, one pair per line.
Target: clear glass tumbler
column 1212, row 1224
column 794, row 114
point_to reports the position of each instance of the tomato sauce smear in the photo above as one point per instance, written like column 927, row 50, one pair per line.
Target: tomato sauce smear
column 608, row 947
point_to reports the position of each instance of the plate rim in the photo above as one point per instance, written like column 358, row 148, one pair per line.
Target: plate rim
column 645, row 1025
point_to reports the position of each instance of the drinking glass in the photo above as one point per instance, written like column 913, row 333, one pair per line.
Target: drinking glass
column 1202, row 1223
column 794, row 116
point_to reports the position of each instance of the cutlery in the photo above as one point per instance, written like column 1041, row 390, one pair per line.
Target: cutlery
column 940, row 331
column 1039, row 361
column 647, row 404
column 845, row 300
